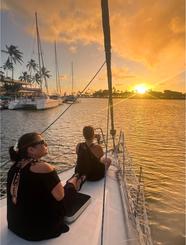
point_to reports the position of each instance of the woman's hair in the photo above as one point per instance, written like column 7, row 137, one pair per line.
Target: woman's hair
column 21, row 149
column 88, row 132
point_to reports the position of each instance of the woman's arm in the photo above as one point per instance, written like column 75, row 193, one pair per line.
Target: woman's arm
column 58, row 192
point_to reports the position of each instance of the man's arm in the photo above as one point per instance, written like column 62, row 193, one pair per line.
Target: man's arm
column 77, row 148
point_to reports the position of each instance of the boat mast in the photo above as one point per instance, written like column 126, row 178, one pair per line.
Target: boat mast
column 38, row 49
column 57, row 78
column 107, row 44
column 72, row 70
column 40, row 55
column 58, row 83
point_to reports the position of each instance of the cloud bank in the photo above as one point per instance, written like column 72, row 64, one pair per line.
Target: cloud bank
column 148, row 32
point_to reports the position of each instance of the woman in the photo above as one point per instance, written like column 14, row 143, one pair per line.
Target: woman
column 90, row 161
column 36, row 199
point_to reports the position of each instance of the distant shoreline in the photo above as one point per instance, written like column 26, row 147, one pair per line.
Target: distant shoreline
column 167, row 94
column 91, row 97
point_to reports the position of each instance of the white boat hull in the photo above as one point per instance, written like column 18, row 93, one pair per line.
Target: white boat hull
column 46, row 103
column 19, row 104
column 34, row 103
column 71, row 99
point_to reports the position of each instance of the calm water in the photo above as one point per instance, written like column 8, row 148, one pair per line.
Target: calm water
column 154, row 132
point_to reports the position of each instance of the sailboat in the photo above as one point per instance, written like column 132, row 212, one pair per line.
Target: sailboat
column 116, row 213
column 71, row 98
column 57, row 96
column 41, row 100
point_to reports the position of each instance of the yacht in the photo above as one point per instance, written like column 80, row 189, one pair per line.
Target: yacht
column 40, row 102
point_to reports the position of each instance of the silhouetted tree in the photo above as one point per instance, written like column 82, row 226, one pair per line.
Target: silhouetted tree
column 14, row 55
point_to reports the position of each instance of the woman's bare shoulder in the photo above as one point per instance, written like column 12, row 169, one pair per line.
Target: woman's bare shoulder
column 42, row 167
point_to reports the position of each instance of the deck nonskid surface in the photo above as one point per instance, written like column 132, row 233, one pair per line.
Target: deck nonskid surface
column 86, row 230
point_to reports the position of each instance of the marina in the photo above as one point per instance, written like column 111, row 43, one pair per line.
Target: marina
column 126, row 205
column 164, row 199
column 139, row 199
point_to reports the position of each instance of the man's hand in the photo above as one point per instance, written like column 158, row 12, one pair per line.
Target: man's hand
column 98, row 137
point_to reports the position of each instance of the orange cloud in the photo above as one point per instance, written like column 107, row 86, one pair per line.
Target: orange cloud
column 147, row 32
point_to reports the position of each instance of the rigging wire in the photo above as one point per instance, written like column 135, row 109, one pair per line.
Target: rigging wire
column 76, row 98
column 104, row 185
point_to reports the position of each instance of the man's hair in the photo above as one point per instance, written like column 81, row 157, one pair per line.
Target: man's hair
column 88, row 132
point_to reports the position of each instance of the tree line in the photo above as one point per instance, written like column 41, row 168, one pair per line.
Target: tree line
column 166, row 94
column 33, row 73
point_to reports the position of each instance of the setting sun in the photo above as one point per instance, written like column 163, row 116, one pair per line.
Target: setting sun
column 141, row 88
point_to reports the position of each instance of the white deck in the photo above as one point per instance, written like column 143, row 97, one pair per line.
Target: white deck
column 86, row 230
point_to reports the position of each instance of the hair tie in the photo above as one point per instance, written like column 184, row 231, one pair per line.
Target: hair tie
column 16, row 149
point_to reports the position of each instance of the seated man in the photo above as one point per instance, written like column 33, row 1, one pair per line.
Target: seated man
column 89, row 157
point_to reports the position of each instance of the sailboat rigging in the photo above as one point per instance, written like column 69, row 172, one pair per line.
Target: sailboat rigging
column 72, row 70
column 57, row 95
column 58, row 84
column 71, row 98
column 38, row 49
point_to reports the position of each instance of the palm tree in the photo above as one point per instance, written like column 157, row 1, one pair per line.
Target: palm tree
column 14, row 55
column 32, row 66
column 25, row 77
column 8, row 66
column 45, row 74
column 37, row 78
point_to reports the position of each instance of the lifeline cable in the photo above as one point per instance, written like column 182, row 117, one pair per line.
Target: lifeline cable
column 76, row 98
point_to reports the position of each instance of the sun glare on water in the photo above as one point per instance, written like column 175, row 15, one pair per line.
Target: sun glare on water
column 141, row 88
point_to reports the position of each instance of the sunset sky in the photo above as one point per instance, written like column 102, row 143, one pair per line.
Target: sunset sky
column 147, row 40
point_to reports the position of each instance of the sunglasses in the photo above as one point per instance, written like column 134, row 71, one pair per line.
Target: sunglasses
column 41, row 142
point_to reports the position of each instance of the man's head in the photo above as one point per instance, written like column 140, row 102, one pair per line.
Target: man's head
column 88, row 132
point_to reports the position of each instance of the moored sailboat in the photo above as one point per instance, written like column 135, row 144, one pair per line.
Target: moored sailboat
column 57, row 95
column 69, row 99
column 42, row 100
